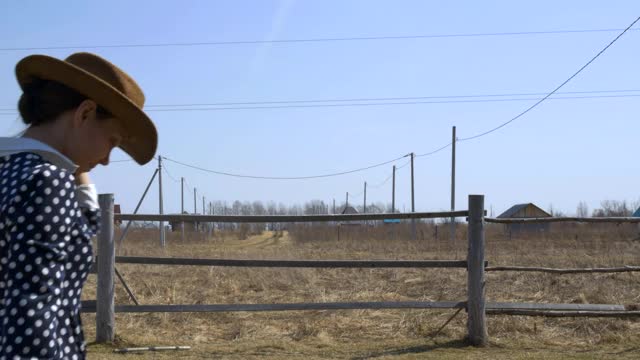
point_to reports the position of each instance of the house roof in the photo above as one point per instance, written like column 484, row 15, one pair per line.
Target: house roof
column 636, row 213
column 516, row 208
column 349, row 210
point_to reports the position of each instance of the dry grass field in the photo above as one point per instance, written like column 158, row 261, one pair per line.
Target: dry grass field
column 374, row 334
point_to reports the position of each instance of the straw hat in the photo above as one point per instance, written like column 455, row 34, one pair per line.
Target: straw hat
column 107, row 85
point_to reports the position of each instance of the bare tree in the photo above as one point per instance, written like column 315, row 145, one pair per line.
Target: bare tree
column 582, row 210
column 315, row 207
column 613, row 208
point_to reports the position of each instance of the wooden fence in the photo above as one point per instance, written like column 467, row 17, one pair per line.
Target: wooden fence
column 476, row 306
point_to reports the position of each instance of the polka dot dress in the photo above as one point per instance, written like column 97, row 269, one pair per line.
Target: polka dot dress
column 45, row 256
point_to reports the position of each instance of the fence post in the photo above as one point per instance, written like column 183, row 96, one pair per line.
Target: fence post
column 476, row 322
column 105, row 312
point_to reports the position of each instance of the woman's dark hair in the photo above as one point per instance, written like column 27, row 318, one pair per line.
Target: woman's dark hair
column 44, row 100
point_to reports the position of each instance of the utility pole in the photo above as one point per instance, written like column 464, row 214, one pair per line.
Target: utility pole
column 195, row 208
column 365, row 197
column 204, row 212
column 393, row 191
column 161, row 206
column 182, row 205
column 210, row 213
column 413, row 201
column 346, row 206
column 334, row 206
column 413, row 198
column 452, row 228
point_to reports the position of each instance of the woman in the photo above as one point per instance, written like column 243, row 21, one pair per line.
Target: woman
column 77, row 111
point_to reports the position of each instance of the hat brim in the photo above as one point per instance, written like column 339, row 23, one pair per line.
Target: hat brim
column 140, row 140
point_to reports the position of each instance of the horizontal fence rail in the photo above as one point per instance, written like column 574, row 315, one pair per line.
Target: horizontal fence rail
column 288, row 218
column 618, row 220
column 553, row 313
column 89, row 307
column 554, row 306
column 627, row 268
column 293, row 263
column 492, row 308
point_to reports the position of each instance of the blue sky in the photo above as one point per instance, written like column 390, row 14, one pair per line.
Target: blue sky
column 562, row 152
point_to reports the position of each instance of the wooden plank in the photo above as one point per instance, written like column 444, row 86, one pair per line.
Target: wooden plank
column 150, row 348
column 491, row 307
column 554, row 307
column 626, row 268
column 288, row 218
column 616, row 314
column 617, row 220
column 290, row 263
column 285, row 307
column 294, row 263
column 476, row 316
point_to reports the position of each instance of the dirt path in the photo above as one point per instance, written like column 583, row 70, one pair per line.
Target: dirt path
column 266, row 240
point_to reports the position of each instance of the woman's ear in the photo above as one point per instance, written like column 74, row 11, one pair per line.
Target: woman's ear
column 85, row 112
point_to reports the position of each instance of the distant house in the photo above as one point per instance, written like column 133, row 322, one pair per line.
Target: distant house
column 117, row 210
column 528, row 210
column 349, row 210
column 636, row 213
column 189, row 226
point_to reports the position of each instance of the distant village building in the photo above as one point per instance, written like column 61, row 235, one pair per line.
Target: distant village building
column 637, row 214
column 528, row 210
column 189, row 226
column 350, row 210
column 117, row 210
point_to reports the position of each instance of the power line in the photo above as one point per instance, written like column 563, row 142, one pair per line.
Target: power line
column 147, row 107
column 384, row 101
column 377, row 186
column 170, row 176
column 380, row 99
column 312, row 40
column 382, row 183
column 556, row 89
column 402, row 166
column 548, row 96
column 356, row 195
column 285, row 177
column 434, row 151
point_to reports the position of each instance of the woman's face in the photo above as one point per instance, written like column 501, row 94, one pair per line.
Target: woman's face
column 94, row 138
column 102, row 136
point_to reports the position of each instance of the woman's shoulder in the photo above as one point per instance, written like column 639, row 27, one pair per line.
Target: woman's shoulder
column 24, row 172
column 18, row 164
